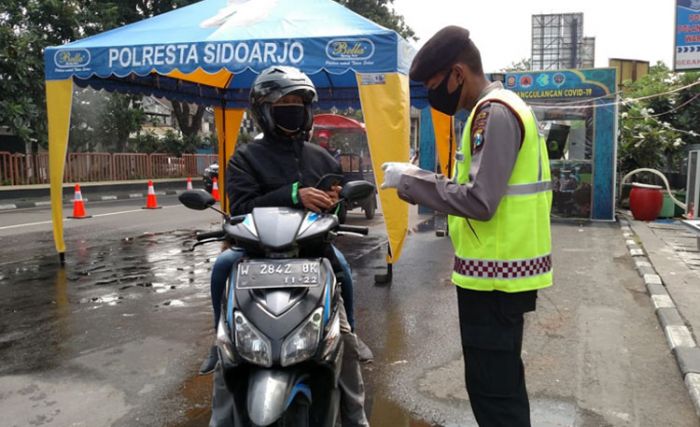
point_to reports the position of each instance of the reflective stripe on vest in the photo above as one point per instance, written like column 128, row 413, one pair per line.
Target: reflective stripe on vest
column 495, row 269
column 525, row 189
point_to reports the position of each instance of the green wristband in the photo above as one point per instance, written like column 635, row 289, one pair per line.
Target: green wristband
column 295, row 193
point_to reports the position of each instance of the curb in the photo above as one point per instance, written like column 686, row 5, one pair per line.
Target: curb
column 24, row 205
column 678, row 336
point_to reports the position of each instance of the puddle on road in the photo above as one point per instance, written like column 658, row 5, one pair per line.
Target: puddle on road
column 196, row 392
column 105, row 290
column 135, row 277
column 386, row 413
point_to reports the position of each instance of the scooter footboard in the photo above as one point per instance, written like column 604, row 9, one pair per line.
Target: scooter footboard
column 271, row 391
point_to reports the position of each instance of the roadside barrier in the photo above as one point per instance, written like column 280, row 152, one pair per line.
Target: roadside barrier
column 23, row 169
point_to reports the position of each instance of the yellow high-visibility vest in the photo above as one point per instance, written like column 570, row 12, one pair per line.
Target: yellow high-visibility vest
column 511, row 252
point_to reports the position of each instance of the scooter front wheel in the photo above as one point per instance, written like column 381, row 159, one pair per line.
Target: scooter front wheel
column 297, row 415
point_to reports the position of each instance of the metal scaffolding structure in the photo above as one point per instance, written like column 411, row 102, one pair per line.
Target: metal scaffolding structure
column 558, row 42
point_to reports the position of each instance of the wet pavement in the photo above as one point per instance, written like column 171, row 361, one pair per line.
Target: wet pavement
column 116, row 337
column 119, row 323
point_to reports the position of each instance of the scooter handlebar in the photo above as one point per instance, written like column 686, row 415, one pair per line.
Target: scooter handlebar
column 353, row 229
column 211, row 235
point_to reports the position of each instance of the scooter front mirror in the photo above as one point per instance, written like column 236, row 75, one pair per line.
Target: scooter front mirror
column 356, row 191
column 197, row 199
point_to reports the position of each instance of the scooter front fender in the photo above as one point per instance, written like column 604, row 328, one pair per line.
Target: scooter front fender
column 270, row 392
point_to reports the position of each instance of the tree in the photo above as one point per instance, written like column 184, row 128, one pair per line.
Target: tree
column 122, row 116
column 190, row 124
column 380, row 12
column 651, row 134
column 525, row 64
column 688, row 105
column 27, row 27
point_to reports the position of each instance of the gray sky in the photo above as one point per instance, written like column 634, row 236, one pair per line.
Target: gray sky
column 629, row 29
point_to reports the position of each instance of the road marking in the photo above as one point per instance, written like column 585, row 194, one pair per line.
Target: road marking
column 679, row 336
column 662, row 301
column 29, row 224
column 8, row 207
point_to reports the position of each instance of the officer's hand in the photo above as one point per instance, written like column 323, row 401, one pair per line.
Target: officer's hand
column 393, row 172
column 334, row 193
column 314, row 199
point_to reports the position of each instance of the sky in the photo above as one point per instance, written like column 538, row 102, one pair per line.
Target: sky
column 501, row 29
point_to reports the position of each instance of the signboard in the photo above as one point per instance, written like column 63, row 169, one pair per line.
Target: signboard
column 362, row 54
column 562, row 84
column 580, row 107
column 687, row 46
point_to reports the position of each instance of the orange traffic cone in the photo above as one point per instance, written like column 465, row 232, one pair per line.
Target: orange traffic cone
column 189, row 183
column 151, row 202
column 79, row 205
column 215, row 190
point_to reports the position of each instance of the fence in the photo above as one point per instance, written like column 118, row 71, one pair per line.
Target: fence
column 23, row 169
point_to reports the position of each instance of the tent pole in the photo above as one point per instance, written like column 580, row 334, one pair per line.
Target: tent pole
column 383, row 279
column 222, row 167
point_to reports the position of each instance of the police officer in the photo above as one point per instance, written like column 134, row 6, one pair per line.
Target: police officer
column 498, row 205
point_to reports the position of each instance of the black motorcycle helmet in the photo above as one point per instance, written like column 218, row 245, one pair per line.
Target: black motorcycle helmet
column 272, row 84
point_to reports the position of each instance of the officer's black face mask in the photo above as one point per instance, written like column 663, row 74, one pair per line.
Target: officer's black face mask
column 289, row 117
column 442, row 100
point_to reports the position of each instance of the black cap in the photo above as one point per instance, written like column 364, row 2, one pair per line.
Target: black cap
column 439, row 52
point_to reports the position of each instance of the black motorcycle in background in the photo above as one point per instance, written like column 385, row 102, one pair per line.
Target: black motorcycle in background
column 211, row 172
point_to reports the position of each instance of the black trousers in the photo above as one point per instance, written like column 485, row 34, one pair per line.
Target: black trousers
column 491, row 326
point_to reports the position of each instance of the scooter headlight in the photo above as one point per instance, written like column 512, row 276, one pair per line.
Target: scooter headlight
column 303, row 342
column 251, row 343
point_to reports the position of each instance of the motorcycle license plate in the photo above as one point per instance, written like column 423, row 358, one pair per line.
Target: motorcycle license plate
column 265, row 274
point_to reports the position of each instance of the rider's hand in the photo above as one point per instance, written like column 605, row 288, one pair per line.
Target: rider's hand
column 393, row 172
column 334, row 193
column 314, row 199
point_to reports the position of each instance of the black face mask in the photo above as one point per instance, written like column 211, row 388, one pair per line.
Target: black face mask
column 289, row 118
column 444, row 101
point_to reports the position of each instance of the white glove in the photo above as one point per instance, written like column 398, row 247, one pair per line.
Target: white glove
column 393, row 172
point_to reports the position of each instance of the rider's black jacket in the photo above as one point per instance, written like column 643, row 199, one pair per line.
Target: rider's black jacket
column 263, row 172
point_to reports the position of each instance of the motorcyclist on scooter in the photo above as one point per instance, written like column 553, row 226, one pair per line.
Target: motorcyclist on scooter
column 283, row 169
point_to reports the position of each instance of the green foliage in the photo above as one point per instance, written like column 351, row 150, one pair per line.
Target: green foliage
column 654, row 131
column 122, row 116
column 27, row 27
column 380, row 12
column 170, row 143
column 525, row 64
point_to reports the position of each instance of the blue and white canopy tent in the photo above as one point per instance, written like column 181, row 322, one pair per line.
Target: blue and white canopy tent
column 210, row 53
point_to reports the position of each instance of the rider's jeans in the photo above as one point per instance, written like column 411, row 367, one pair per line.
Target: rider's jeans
column 228, row 258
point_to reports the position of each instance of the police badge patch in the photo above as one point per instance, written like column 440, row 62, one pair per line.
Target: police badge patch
column 478, row 129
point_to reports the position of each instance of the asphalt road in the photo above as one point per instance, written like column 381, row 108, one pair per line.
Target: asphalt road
column 116, row 337
column 28, row 231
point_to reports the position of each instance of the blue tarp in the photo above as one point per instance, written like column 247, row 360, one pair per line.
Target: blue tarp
column 322, row 38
